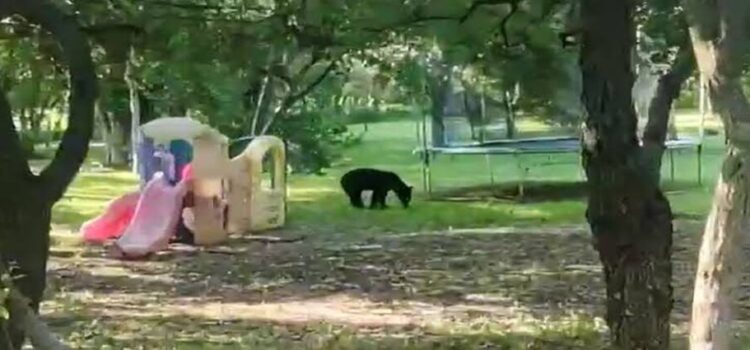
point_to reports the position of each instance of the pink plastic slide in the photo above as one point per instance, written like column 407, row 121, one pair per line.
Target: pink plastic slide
column 118, row 215
column 155, row 219
column 187, row 172
column 113, row 222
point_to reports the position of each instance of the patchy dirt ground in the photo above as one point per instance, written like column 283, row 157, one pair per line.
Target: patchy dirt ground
column 493, row 289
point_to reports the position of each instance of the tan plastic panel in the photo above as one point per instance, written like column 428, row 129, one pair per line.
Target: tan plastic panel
column 210, row 166
column 254, row 205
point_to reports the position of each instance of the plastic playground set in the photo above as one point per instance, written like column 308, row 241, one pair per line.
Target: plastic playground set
column 190, row 187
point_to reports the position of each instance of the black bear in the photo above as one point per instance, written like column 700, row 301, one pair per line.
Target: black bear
column 377, row 181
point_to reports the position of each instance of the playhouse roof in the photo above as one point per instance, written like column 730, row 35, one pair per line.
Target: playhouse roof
column 163, row 130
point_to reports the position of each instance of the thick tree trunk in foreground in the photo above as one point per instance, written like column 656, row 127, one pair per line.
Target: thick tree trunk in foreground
column 26, row 199
column 719, row 32
column 630, row 218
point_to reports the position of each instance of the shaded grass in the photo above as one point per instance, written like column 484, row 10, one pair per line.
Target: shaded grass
column 191, row 333
column 463, row 289
column 443, row 290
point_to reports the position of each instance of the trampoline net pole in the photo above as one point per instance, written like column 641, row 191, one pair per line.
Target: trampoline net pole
column 521, row 174
column 422, row 154
column 705, row 108
column 426, row 174
column 488, row 160
column 429, row 177
column 671, row 164
column 699, row 152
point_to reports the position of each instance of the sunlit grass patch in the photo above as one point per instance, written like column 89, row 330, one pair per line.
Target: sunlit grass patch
column 89, row 194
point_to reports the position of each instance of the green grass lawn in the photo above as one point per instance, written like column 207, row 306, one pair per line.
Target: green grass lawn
column 317, row 202
column 526, row 279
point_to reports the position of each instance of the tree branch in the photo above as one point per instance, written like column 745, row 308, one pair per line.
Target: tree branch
column 668, row 90
column 77, row 54
column 418, row 18
column 290, row 100
column 480, row 3
column 504, row 22
column 205, row 19
column 295, row 97
column 204, row 6
column 313, row 61
column 38, row 332
column 282, row 77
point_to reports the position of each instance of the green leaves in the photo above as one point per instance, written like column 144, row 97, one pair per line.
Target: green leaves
column 213, row 56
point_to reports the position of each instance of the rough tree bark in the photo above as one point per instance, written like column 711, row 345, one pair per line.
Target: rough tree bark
column 719, row 33
column 630, row 219
column 668, row 90
column 39, row 334
column 26, row 199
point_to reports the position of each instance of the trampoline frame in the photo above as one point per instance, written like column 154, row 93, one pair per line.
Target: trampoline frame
column 514, row 148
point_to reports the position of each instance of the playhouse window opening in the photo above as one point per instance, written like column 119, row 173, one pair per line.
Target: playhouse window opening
column 269, row 171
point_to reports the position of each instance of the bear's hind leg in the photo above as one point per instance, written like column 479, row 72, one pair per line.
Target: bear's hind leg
column 355, row 198
column 378, row 199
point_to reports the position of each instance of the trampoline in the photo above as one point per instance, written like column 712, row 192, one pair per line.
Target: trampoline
column 445, row 141
column 528, row 146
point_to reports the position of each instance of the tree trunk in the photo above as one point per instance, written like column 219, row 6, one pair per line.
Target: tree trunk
column 483, row 109
column 474, row 112
column 719, row 33
column 114, row 113
column 115, row 140
column 27, row 199
column 23, row 120
column 668, row 90
column 147, row 108
column 134, row 99
column 437, row 129
column 28, row 212
column 439, row 85
column 510, row 116
column 113, row 105
column 35, row 121
column 630, row 219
